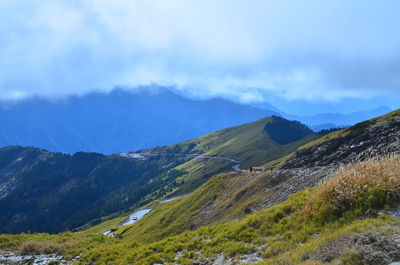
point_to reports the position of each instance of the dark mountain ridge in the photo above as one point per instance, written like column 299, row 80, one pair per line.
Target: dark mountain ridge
column 52, row 192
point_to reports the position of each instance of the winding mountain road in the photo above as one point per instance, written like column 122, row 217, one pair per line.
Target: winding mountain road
column 143, row 156
column 135, row 216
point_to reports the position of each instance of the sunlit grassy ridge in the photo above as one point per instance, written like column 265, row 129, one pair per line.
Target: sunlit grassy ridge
column 288, row 233
column 250, row 142
column 239, row 198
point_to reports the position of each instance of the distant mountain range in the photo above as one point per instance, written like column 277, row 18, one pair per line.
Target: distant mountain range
column 125, row 120
column 118, row 121
column 330, row 120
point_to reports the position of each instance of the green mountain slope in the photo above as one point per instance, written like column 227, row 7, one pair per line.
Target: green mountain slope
column 249, row 144
column 348, row 217
column 253, row 143
column 52, row 192
column 177, row 216
column 230, row 196
column 304, row 229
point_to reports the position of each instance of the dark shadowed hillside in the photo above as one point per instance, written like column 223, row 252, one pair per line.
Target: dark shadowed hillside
column 51, row 192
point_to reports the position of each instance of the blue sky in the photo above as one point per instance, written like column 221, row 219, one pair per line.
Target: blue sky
column 308, row 55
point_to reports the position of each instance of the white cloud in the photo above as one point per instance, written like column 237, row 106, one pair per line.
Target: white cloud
column 309, row 49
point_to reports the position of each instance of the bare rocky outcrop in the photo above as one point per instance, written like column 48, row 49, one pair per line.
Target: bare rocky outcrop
column 10, row 258
column 369, row 248
column 378, row 140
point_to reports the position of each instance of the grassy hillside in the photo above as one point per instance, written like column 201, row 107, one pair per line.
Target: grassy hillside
column 230, row 196
column 253, row 143
column 177, row 216
column 299, row 230
column 345, row 220
column 339, row 222
column 225, row 197
column 85, row 189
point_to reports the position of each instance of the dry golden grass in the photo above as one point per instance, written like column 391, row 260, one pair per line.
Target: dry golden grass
column 37, row 246
column 375, row 182
column 292, row 230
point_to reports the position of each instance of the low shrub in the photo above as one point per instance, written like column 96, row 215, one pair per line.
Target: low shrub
column 359, row 190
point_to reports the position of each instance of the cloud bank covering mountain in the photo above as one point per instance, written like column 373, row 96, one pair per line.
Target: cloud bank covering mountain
column 250, row 52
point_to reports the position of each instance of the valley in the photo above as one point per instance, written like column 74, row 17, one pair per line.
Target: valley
column 92, row 188
column 216, row 213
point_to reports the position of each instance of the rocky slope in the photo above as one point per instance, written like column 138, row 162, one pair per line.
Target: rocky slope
column 356, row 145
column 312, row 164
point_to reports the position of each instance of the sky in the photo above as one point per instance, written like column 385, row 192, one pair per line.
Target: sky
column 304, row 56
